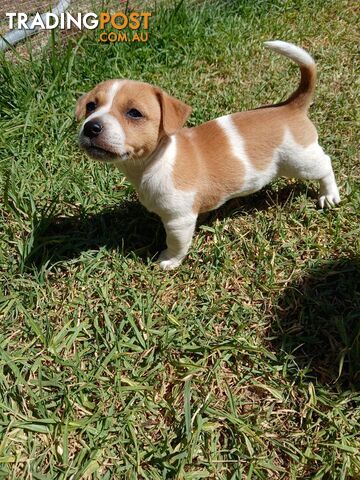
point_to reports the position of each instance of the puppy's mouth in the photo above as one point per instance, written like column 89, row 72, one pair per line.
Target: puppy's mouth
column 100, row 153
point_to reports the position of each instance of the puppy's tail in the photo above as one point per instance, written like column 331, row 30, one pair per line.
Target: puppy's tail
column 301, row 98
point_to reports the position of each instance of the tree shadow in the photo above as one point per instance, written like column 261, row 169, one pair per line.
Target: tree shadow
column 317, row 322
column 130, row 228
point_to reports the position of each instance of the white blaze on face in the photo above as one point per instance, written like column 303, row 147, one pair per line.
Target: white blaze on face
column 112, row 137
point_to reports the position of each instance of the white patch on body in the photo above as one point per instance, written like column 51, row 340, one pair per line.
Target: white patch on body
column 157, row 191
column 254, row 179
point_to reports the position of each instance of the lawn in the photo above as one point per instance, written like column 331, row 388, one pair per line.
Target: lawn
column 244, row 363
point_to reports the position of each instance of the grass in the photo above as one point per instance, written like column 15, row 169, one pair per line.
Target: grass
column 242, row 364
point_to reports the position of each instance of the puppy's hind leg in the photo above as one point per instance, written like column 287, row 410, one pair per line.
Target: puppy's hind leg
column 314, row 164
column 329, row 192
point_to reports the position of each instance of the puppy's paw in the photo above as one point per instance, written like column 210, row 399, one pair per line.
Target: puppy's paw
column 167, row 261
column 329, row 200
column 169, row 264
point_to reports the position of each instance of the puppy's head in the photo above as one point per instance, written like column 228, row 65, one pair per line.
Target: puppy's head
column 126, row 120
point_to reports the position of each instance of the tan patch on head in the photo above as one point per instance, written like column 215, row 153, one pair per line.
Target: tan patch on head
column 174, row 113
column 80, row 108
column 98, row 95
column 141, row 134
column 161, row 115
column 205, row 163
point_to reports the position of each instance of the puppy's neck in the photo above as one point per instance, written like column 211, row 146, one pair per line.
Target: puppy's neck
column 135, row 169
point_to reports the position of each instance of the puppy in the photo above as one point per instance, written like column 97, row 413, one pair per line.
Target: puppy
column 182, row 172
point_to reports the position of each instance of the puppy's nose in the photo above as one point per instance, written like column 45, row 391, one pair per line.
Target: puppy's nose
column 92, row 128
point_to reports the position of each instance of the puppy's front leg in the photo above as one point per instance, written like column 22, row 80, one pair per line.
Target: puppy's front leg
column 179, row 232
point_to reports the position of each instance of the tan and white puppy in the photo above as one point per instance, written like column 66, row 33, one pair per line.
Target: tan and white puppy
column 181, row 172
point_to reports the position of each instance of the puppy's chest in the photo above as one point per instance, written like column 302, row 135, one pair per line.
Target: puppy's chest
column 156, row 188
column 159, row 195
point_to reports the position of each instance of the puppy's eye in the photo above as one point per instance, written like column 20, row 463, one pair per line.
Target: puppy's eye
column 90, row 107
column 133, row 113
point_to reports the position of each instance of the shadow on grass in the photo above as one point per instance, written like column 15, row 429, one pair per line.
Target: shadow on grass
column 260, row 201
column 130, row 228
column 318, row 322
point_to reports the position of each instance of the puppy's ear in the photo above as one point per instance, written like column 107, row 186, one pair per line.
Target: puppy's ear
column 174, row 113
column 80, row 108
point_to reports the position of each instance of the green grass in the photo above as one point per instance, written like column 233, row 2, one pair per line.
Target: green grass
column 242, row 364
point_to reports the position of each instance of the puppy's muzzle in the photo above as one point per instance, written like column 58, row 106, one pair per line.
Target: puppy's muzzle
column 92, row 128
